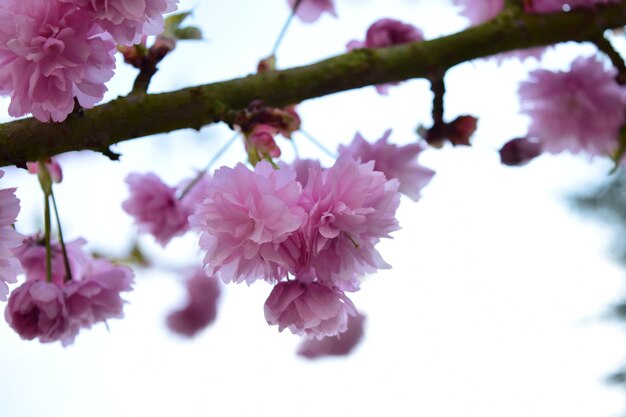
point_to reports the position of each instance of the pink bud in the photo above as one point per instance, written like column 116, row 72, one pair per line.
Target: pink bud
column 53, row 167
column 519, row 151
column 262, row 139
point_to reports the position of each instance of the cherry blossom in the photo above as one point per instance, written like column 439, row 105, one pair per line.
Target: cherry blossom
column 577, row 110
column 128, row 20
column 200, row 310
column 51, row 53
column 156, row 208
column 37, row 309
column 308, row 308
column 244, row 219
column 351, row 207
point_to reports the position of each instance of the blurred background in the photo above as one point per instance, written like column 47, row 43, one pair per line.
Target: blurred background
column 507, row 283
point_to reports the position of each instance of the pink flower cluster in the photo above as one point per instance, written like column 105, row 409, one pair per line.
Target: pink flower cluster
column 394, row 161
column 159, row 209
column 384, row 33
column 273, row 224
column 32, row 257
column 580, row 110
column 55, row 51
column 9, row 239
column 128, row 20
column 56, row 310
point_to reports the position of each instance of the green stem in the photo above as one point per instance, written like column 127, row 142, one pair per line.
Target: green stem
column 66, row 262
column 283, row 31
column 47, row 230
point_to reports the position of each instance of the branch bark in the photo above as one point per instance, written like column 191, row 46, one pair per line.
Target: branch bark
column 140, row 115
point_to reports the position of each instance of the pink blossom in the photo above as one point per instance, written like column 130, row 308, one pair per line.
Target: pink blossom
column 351, row 207
column 155, row 207
column 394, row 161
column 53, row 167
column 9, row 239
column 244, row 219
column 480, row 11
column 311, row 10
column 340, row 345
column 32, row 257
column 577, row 110
column 37, row 309
column 57, row 310
column 261, row 140
column 384, row 33
column 128, row 20
column 51, row 53
column 95, row 296
column 308, row 308
column 200, row 311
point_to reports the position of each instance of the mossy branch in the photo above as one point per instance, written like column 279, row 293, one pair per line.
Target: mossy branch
column 147, row 114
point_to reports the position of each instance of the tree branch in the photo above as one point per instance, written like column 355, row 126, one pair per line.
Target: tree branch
column 146, row 114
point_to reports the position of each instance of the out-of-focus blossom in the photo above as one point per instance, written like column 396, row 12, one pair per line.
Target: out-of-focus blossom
column 310, row 309
column 244, row 219
column 156, row 208
column 128, row 20
column 50, row 53
column 32, row 257
column 519, row 151
column 9, row 239
column 53, row 167
column 392, row 160
column 37, row 309
column 384, row 33
column 577, row 110
column 311, row 10
column 203, row 293
column 351, row 207
column 340, row 345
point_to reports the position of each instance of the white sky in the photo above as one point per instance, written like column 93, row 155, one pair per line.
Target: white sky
column 493, row 307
